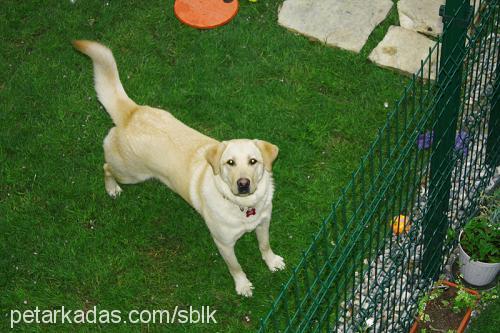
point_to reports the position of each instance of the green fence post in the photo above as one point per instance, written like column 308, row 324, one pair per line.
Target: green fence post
column 455, row 15
column 493, row 143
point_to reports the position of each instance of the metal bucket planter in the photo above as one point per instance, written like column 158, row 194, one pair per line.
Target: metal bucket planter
column 465, row 320
column 477, row 273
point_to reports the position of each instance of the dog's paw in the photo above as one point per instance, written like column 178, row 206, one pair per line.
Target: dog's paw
column 114, row 191
column 244, row 287
column 275, row 263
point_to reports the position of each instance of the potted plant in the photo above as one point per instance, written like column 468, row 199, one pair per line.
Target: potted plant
column 479, row 246
column 445, row 308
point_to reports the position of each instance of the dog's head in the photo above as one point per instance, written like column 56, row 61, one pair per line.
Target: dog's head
column 241, row 163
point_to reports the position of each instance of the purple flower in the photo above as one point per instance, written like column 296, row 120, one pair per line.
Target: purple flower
column 461, row 142
column 424, row 140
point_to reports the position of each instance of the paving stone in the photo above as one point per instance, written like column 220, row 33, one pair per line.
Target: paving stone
column 403, row 49
column 341, row 23
column 421, row 16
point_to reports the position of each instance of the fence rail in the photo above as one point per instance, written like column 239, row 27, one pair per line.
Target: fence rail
column 426, row 170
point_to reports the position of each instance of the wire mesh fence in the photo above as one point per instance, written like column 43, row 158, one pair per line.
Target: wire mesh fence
column 397, row 220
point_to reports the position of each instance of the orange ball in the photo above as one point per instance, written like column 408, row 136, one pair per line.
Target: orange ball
column 400, row 224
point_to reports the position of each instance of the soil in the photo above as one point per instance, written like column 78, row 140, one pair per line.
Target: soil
column 442, row 316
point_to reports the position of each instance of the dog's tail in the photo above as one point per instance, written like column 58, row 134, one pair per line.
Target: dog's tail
column 107, row 81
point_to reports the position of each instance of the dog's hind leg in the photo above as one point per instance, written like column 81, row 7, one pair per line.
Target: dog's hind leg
column 110, row 183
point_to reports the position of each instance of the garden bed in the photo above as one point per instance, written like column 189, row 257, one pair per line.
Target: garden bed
column 443, row 310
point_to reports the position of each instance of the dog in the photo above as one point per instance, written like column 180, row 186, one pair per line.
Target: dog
column 229, row 183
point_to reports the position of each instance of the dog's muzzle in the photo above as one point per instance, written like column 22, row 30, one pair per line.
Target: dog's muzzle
column 243, row 185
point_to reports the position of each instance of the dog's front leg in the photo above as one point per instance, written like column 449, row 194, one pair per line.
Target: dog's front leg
column 273, row 261
column 243, row 285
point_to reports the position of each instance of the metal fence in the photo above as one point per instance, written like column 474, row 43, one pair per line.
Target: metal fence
column 430, row 162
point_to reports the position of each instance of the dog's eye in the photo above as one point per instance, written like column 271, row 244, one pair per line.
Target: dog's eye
column 231, row 162
column 252, row 161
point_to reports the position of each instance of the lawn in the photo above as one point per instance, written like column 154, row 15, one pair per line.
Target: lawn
column 488, row 320
column 64, row 242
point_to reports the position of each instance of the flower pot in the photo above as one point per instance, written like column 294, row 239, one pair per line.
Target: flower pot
column 465, row 319
column 477, row 273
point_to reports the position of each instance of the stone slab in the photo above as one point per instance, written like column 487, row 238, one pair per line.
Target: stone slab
column 403, row 49
column 341, row 23
column 421, row 16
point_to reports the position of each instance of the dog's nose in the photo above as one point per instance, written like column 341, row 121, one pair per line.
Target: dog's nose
column 243, row 185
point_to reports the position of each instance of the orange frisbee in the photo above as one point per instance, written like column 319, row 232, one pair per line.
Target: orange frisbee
column 205, row 14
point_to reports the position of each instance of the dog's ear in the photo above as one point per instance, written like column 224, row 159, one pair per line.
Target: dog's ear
column 269, row 153
column 213, row 155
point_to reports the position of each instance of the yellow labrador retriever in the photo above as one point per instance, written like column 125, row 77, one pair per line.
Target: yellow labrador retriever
column 229, row 183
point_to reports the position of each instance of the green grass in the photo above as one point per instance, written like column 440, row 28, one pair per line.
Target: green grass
column 63, row 241
column 488, row 320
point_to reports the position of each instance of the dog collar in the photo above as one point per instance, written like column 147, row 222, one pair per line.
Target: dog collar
column 249, row 211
